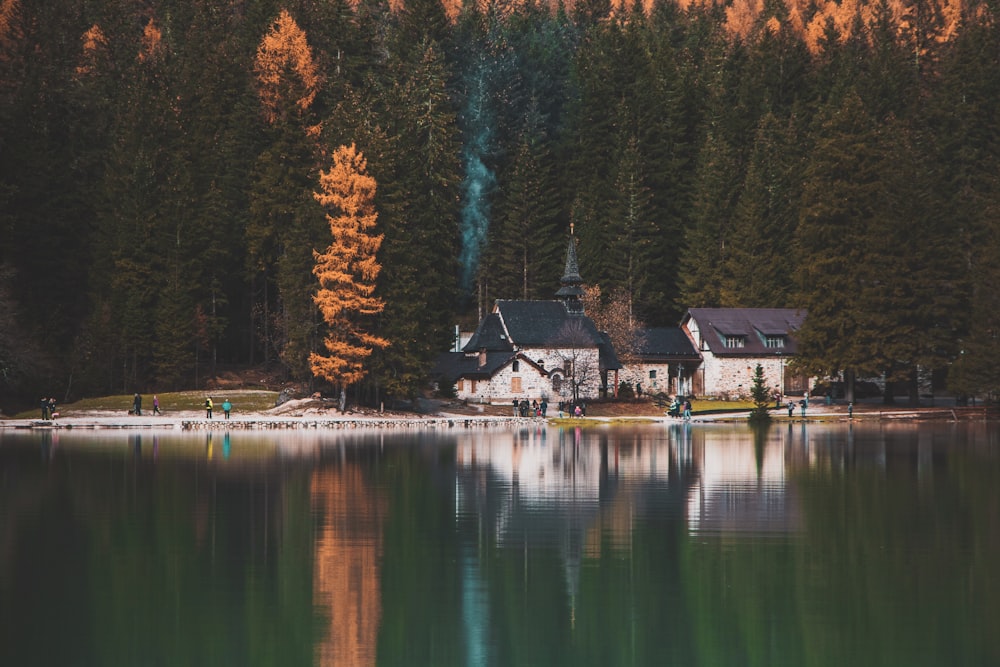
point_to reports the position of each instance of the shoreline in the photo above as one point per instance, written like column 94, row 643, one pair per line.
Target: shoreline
column 320, row 420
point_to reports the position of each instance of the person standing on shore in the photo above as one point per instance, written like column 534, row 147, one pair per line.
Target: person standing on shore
column 208, row 408
column 156, row 405
column 137, row 405
column 226, row 407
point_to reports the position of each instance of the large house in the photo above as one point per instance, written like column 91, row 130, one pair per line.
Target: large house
column 533, row 350
column 732, row 341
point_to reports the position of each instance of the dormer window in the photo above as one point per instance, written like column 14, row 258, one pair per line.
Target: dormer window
column 736, row 342
column 774, row 341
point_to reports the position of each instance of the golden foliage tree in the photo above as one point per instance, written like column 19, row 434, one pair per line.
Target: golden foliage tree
column 94, row 43
column 10, row 30
column 347, row 270
column 287, row 75
column 612, row 314
column 152, row 42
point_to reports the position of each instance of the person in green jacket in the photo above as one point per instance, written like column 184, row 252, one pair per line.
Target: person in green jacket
column 208, row 408
column 226, row 407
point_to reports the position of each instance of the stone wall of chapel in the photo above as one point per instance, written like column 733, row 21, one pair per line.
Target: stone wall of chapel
column 535, row 386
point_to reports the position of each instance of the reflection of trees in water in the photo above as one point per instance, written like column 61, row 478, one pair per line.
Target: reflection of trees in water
column 346, row 572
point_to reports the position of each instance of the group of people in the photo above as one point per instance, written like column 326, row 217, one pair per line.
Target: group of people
column 803, row 404
column 48, row 406
column 137, row 405
column 227, row 407
column 573, row 409
column 680, row 407
column 535, row 409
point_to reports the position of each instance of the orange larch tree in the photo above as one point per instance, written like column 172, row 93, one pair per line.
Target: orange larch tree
column 287, row 75
column 347, row 270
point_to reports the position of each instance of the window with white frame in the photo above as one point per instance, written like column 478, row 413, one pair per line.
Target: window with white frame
column 735, row 342
column 774, row 341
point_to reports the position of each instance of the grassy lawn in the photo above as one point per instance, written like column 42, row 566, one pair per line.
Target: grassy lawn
column 244, row 400
column 253, row 400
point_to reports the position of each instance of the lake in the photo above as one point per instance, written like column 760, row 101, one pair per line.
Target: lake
column 696, row 545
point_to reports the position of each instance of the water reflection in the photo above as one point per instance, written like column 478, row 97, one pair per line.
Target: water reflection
column 649, row 545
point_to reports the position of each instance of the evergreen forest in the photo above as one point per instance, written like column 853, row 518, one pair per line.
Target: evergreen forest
column 160, row 167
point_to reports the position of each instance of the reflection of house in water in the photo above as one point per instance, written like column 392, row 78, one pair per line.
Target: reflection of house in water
column 741, row 488
column 346, row 570
column 576, row 492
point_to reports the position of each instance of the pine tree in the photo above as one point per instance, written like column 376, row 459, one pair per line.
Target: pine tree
column 284, row 225
column 757, row 270
column 347, row 271
column 707, row 240
column 630, row 251
column 967, row 137
column 761, row 395
column 419, row 281
column 840, row 203
column 525, row 251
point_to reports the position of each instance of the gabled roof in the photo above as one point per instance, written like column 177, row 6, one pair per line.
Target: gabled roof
column 606, row 354
column 538, row 324
column 532, row 324
column 753, row 324
column 455, row 365
column 490, row 335
column 666, row 343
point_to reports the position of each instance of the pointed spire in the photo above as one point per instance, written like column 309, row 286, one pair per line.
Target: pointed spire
column 572, row 283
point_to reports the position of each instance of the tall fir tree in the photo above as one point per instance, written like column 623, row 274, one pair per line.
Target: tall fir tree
column 757, row 270
column 284, row 226
column 419, row 281
column 841, row 199
column 525, row 250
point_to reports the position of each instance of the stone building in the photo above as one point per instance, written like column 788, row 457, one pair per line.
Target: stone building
column 534, row 350
column 732, row 341
column 666, row 362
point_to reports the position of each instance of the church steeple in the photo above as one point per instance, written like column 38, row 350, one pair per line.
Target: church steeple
column 572, row 284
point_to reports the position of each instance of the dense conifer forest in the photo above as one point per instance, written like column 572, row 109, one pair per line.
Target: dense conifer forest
column 160, row 162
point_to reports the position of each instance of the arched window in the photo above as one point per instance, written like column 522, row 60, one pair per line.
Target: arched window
column 557, row 381
column 516, row 366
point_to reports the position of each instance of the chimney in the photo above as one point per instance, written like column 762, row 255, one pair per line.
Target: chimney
column 482, row 358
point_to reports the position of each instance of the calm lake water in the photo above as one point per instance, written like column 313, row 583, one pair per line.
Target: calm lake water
column 690, row 545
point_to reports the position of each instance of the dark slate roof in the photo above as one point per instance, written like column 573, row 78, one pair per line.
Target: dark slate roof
column 544, row 323
column 752, row 323
column 454, row 365
column 666, row 343
column 608, row 358
column 489, row 335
